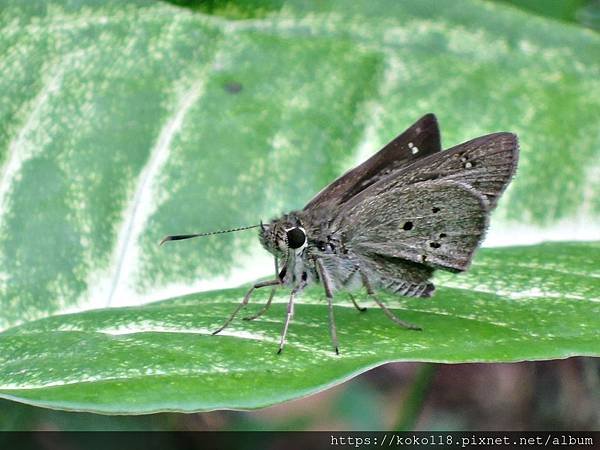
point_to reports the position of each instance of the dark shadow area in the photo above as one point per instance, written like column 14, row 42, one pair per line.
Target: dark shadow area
column 581, row 12
column 232, row 9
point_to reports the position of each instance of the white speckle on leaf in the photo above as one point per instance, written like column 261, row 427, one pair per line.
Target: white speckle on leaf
column 141, row 207
column 30, row 139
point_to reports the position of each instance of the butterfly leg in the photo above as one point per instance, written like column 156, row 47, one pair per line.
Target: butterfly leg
column 356, row 305
column 387, row 312
column 246, row 300
column 346, row 281
column 266, row 306
column 324, row 276
column 290, row 313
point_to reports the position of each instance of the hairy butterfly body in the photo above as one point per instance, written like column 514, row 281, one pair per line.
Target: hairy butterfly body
column 390, row 222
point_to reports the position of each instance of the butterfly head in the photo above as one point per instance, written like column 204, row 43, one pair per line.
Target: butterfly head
column 282, row 236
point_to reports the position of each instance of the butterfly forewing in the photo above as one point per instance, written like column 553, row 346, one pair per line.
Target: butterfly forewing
column 418, row 141
column 435, row 223
column 486, row 163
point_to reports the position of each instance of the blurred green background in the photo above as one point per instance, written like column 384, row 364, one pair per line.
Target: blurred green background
column 200, row 102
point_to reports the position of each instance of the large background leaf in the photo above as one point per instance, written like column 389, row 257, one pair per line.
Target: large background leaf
column 124, row 122
column 161, row 357
column 120, row 123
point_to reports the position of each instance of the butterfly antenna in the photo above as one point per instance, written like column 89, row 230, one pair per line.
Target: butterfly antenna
column 179, row 237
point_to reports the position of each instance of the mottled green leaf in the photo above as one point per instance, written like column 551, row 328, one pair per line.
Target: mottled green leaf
column 517, row 303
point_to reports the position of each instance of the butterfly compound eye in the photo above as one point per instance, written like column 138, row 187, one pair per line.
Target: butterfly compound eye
column 296, row 237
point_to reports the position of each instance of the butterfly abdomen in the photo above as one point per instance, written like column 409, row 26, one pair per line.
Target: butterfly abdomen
column 408, row 289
